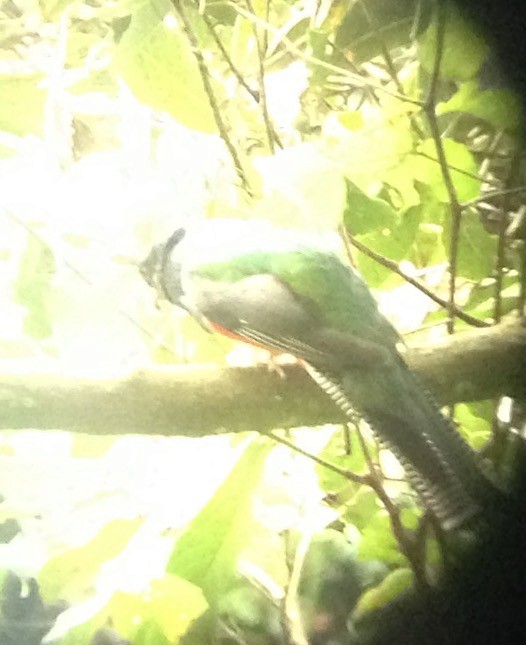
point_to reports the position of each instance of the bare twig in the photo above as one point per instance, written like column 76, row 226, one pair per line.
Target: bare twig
column 293, row 631
column 367, row 455
column 521, row 305
column 405, row 540
column 455, row 208
column 344, row 472
column 205, row 78
column 391, row 68
column 353, row 79
column 226, row 56
column 344, row 234
column 374, row 481
column 492, row 194
column 261, row 51
column 503, row 225
column 461, row 171
column 393, row 266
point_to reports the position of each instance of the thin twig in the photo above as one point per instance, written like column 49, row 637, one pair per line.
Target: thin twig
column 461, row 171
column 372, row 480
column 454, row 204
column 393, row 266
column 405, row 540
column 205, row 78
column 367, row 455
column 344, row 234
column 226, row 56
column 521, row 304
column 291, row 622
column 261, row 52
column 492, row 194
column 407, row 544
column 353, row 79
column 391, row 68
column 503, row 225
column 348, row 474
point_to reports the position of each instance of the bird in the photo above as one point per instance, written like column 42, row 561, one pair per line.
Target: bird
column 290, row 291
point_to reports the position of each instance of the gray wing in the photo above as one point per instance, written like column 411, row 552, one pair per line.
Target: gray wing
column 263, row 309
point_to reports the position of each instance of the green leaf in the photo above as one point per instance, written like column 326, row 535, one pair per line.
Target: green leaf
column 320, row 50
column 158, row 615
column 392, row 27
column 500, row 108
column 167, row 607
column 206, row 553
column 150, row 633
column 363, row 214
column 391, row 586
column 156, row 61
column 246, row 614
column 481, row 301
column 393, row 243
column 378, row 541
column 460, row 161
column 428, row 248
column 477, row 248
column 175, row 604
column 361, row 510
column 410, row 517
column 22, row 104
column 464, row 49
column 334, row 453
column 351, row 120
column 475, row 421
column 32, row 288
column 70, row 575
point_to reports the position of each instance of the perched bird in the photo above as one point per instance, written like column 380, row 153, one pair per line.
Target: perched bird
column 289, row 292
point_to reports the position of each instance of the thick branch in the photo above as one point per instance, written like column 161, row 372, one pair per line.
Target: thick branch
column 201, row 400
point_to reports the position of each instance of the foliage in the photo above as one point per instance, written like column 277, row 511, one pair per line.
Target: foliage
column 119, row 120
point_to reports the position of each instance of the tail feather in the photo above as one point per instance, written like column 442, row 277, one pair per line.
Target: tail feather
column 440, row 465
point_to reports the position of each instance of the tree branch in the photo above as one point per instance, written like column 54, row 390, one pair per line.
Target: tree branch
column 395, row 267
column 201, row 400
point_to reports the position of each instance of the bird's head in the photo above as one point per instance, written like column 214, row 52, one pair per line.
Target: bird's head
column 161, row 272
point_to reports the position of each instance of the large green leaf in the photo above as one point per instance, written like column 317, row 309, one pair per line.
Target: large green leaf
column 155, row 59
column 500, row 108
column 476, row 249
column 481, row 301
column 368, row 29
column 391, row 586
column 70, row 575
column 475, row 421
column 157, row 615
column 362, row 507
column 464, row 49
column 378, row 541
column 462, row 167
column 206, row 553
column 166, row 608
column 393, row 243
column 364, row 214
column 22, row 104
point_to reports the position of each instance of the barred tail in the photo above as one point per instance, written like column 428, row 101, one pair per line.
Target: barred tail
column 439, row 464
